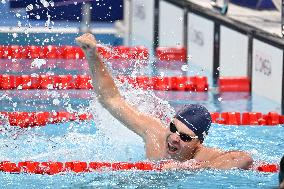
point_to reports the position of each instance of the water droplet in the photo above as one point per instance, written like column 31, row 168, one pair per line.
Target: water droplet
column 15, row 35
column 44, row 3
column 56, row 101
column 38, row 62
column 29, row 7
column 185, row 68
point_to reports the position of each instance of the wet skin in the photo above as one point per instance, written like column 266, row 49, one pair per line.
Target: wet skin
column 160, row 142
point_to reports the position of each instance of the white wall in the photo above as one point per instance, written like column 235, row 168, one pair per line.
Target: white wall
column 233, row 53
column 142, row 23
column 267, row 70
column 171, row 25
column 200, row 41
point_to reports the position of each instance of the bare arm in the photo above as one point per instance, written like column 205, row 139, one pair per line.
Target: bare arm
column 228, row 160
column 231, row 159
column 108, row 94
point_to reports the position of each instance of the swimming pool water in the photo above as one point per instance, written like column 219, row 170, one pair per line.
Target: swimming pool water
column 264, row 143
column 105, row 139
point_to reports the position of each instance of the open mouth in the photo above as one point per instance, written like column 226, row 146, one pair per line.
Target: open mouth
column 172, row 148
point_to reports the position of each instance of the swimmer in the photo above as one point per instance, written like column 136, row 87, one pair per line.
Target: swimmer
column 180, row 142
column 281, row 174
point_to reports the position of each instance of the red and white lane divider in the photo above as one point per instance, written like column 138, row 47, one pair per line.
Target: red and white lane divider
column 73, row 166
column 71, row 52
column 247, row 118
column 33, row 119
column 234, row 84
column 181, row 83
column 171, row 54
column 25, row 82
column 52, row 168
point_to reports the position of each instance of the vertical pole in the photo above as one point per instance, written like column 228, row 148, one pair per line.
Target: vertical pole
column 185, row 28
column 216, row 53
column 250, row 51
column 282, row 32
column 86, row 17
column 156, row 24
column 249, row 65
column 127, row 21
column 282, row 18
column 282, row 99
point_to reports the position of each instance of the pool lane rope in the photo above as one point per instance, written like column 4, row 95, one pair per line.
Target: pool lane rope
column 61, row 82
column 71, row 52
column 120, row 56
column 247, row 118
column 51, row 168
column 33, row 119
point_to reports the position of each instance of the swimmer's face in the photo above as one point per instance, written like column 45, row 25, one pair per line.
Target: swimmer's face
column 177, row 147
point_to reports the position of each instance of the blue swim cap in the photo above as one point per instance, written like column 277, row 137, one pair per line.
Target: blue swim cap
column 197, row 118
column 281, row 173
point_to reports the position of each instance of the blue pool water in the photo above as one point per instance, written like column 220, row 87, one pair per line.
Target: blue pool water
column 104, row 139
column 264, row 143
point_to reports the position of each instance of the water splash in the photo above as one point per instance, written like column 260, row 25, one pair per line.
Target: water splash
column 100, row 140
column 38, row 63
column 30, row 7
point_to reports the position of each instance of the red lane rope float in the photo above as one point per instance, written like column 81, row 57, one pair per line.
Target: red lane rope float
column 71, row 52
column 181, row 83
column 171, row 54
column 195, row 83
column 32, row 119
column 247, row 118
column 52, row 168
column 45, row 82
column 73, row 166
column 234, row 84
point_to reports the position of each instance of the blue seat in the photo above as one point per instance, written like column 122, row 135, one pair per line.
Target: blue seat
column 255, row 4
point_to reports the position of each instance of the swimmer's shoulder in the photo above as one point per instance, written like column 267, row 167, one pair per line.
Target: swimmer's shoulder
column 208, row 154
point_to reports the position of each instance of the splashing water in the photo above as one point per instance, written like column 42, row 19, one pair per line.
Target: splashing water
column 30, row 7
column 103, row 139
column 44, row 3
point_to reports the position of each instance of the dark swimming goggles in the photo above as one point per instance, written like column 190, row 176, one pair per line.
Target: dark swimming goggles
column 183, row 137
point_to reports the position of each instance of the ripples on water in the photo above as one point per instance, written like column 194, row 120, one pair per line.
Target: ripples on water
column 106, row 139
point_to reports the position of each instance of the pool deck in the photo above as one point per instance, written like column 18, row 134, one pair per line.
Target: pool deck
column 264, row 20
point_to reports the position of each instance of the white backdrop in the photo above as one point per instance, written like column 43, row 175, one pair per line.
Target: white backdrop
column 267, row 70
column 233, row 53
column 200, row 41
column 171, row 25
column 142, row 23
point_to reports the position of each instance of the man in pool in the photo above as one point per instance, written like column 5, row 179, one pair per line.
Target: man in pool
column 180, row 142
